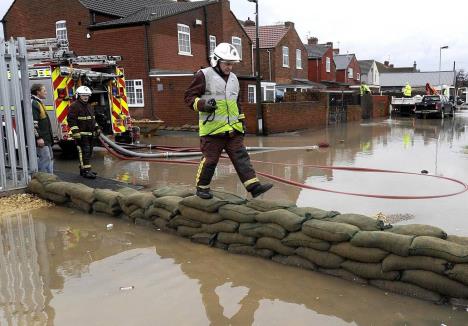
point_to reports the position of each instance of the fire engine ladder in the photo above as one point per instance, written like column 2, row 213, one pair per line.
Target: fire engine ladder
column 77, row 73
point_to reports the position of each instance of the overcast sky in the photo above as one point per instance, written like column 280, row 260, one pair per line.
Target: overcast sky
column 401, row 31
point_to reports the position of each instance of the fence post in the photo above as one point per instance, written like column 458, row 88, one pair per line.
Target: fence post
column 4, row 104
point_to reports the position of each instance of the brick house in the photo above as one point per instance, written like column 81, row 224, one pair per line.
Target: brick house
column 322, row 67
column 283, row 60
column 347, row 69
column 162, row 42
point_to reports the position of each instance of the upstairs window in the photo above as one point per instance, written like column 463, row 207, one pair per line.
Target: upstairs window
column 328, row 65
column 350, row 73
column 183, row 34
column 61, row 31
column 358, row 76
column 285, row 56
column 212, row 43
column 298, row 59
column 237, row 42
column 135, row 95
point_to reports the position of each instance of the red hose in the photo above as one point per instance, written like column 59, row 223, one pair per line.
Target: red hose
column 305, row 186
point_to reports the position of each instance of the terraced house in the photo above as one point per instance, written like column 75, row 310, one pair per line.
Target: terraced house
column 162, row 42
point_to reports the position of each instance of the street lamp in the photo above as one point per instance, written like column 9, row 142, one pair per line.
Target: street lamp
column 440, row 63
column 257, row 75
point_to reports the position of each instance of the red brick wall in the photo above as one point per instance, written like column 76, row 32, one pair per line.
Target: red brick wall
column 354, row 113
column 285, row 75
column 342, row 75
column 317, row 70
column 380, row 106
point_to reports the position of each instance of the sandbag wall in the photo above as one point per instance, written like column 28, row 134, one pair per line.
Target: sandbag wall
column 415, row 260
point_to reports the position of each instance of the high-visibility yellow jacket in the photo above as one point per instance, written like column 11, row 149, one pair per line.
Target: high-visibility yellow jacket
column 407, row 90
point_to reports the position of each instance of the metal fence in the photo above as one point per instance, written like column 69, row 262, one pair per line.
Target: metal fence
column 17, row 146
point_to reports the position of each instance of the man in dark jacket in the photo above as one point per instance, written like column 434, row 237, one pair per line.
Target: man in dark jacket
column 83, row 128
column 42, row 129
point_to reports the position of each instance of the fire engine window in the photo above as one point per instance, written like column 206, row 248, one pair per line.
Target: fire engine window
column 135, row 95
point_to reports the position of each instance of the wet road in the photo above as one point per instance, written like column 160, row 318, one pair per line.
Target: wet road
column 61, row 267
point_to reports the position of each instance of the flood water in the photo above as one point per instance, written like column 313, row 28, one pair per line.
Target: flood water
column 62, row 267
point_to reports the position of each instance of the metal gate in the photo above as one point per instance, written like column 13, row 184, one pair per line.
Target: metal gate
column 337, row 108
column 17, row 142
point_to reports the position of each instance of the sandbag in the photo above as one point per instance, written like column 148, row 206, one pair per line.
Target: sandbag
column 290, row 221
column 200, row 215
column 295, row 261
column 344, row 274
column 152, row 212
column 312, row 212
column 45, row 178
column 208, row 205
column 169, row 203
column 238, row 213
column 80, row 205
column 364, row 223
column 229, row 197
column 321, row 258
column 220, row 245
column 396, row 263
column 179, row 220
column 459, row 272
column 360, row 254
column 407, row 289
column 126, row 191
column 59, row 188
column 259, row 230
column 396, row 243
column 275, row 245
column 230, row 238
column 299, row 239
column 419, row 230
column 268, row 205
column 141, row 199
column 100, row 207
column 35, row 187
column 204, row 238
column 329, row 231
column 178, row 191
column 137, row 213
column 369, row 270
column 161, row 224
column 223, row 226
column 58, row 199
column 187, row 231
column 457, row 239
column 434, row 247
column 107, row 196
column 80, row 191
column 435, row 282
column 249, row 250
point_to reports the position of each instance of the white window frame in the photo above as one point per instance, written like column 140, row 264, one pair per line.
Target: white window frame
column 61, row 32
column 212, row 43
column 135, row 92
column 327, row 64
column 183, row 36
column 285, row 57
column 252, row 90
column 358, row 76
column 237, row 43
column 298, row 59
column 350, row 73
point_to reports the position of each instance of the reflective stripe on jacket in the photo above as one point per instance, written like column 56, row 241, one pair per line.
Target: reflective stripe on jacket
column 407, row 90
column 226, row 117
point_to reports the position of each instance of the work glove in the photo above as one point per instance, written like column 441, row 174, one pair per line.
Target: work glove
column 76, row 135
column 210, row 106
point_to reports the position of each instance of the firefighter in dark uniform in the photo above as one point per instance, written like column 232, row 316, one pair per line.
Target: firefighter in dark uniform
column 214, row 94
column 83, row 128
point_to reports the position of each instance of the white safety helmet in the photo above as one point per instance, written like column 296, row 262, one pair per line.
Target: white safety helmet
column 83, row 90
column 224, row 52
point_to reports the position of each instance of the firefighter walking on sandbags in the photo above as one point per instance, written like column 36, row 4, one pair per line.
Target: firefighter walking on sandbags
column 83, row 129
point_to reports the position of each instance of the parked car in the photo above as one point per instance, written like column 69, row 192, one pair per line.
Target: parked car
column 436, row 105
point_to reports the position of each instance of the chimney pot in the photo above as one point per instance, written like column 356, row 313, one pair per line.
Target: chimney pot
column 312, row 40
column 386, row 63
column 289, row 24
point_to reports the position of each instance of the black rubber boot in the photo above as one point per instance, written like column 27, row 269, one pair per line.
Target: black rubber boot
column 82, row 172
column 204, row 193
column 259, row 189
column 87, row 174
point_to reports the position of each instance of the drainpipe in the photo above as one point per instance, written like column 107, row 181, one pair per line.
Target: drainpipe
column 207, row 38
column 148, row 68
column 253, row 67
column 269, row 63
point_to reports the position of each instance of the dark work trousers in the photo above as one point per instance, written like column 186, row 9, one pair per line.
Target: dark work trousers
column 85, row 150
column 233, row 144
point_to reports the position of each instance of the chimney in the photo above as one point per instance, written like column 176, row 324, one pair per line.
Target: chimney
column 312, row 41
column 391, row 65
column 386, row 63
column 249, row 22
column 329, row 44
column 414, row 65
column 289, row 24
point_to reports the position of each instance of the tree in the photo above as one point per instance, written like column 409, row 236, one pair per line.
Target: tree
column 462, row 78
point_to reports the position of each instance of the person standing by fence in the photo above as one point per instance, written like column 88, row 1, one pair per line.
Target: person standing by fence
column 42, row 129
